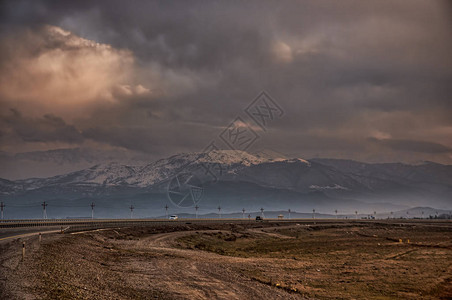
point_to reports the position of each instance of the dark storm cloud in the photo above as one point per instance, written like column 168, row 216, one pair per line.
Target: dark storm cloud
column 342, row 71
column 158, row 140
column 416, row 146
column 48, row 128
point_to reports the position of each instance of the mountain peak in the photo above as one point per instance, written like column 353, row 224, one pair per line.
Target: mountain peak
column 230, row 157
column 271, row 155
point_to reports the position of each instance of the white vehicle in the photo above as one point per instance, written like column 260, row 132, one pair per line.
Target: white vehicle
column 173, row 217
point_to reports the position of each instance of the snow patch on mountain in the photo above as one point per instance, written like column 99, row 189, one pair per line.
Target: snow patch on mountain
column 230, row 157
column 271, row 155
column 298, row 160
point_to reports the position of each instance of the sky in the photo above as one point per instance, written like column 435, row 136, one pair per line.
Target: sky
column 89, row 81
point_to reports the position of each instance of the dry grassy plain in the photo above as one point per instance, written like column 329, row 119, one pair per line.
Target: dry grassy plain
column 300, row 260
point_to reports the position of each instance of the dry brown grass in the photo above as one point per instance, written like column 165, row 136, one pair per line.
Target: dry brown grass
column 260, row 260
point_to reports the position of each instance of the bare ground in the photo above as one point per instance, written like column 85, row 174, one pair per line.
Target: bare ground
column 323, row 261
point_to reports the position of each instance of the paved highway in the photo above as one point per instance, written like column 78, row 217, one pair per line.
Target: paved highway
column 11, row 229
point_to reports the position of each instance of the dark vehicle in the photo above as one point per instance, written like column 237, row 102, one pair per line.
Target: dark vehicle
column 259, row 218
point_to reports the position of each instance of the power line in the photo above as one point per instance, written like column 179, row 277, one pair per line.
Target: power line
column 92, row 209
column 24, row 205
column 131, row 210
column 44, row 212
column 2, row 206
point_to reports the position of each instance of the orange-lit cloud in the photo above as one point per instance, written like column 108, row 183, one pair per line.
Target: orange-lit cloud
column 54, row 71
column 282, row 52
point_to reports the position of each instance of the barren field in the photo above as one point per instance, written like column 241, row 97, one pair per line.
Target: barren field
column 353, row 260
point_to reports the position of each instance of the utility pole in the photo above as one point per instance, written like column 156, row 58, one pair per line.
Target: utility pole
column 407, row 214
column 356, row 214
column 131, row 210
column 422, row 215
column 92, row 210
column 392, row 215
column 289, row 212
column 262, row 212
column 196, row 208
column 1, row 207
column 219, row 211
column 243, row 213
column 313, row 214
column 375, row 215
column 336, row 213
column 166, row 211
column 44, row 212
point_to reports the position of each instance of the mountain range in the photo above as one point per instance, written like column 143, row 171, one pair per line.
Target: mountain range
column 231, row 180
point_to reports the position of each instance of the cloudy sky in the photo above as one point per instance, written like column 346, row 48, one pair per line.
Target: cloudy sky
column 364, row 80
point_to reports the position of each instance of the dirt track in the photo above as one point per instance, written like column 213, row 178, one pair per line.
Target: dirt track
column 213, row 262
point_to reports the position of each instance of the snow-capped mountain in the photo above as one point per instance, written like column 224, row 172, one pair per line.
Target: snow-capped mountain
column 112, row 174
column 238, row 178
